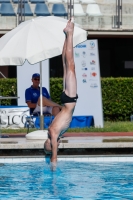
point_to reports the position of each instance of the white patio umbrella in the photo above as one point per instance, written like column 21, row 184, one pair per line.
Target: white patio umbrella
column 36, row 40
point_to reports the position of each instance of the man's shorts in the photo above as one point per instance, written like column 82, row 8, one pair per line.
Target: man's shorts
column 46, row 109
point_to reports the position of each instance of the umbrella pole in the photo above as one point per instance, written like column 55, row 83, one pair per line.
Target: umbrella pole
column 41, row 107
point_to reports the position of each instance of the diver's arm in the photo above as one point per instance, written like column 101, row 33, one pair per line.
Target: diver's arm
column 54, row 145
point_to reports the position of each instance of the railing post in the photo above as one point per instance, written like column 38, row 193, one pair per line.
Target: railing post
column 21, row 11
column 70, row 8
column 117, row 19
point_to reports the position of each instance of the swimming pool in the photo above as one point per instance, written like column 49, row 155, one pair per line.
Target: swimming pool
column 72, row 180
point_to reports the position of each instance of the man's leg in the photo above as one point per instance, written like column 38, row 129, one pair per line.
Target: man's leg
column 55, row 110
column 64, row 63
column 70, row 79
column 48, row 102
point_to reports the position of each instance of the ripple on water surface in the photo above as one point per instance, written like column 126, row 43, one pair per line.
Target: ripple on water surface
column 71, row 180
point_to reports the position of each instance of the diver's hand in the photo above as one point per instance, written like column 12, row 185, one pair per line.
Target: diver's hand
column 53, row 166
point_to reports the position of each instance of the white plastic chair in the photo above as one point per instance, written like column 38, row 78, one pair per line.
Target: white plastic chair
column 78, row 10
column 87, row 1
column 54, row 1
column 93, row 10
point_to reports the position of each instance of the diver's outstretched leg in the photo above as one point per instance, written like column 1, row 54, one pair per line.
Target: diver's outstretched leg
column 71, row 82
column 64, row 56
column 64, row 65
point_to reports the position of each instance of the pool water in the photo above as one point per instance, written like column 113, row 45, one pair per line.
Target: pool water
column 71, row 181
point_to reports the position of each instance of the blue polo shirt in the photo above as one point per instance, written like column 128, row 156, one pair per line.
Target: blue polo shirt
column 32, row 95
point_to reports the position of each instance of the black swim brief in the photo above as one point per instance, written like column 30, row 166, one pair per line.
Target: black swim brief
column 66, row 99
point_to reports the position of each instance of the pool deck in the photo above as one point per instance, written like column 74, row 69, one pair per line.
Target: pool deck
column 69, row 141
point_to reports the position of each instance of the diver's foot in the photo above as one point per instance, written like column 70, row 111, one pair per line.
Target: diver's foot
column 70, row 26
column 65, row 29
column 72, row 20
column 65, row 32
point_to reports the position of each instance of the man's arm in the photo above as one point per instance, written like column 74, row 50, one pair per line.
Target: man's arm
column 31, row 105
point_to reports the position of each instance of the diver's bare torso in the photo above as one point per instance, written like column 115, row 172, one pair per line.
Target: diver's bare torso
column 62, row 121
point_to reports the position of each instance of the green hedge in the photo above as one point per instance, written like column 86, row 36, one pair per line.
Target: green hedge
column 117, row 95
column 8, row 87
column 56, row 87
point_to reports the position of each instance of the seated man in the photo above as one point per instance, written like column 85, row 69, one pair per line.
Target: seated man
column 32, row 98
column 68, row 97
